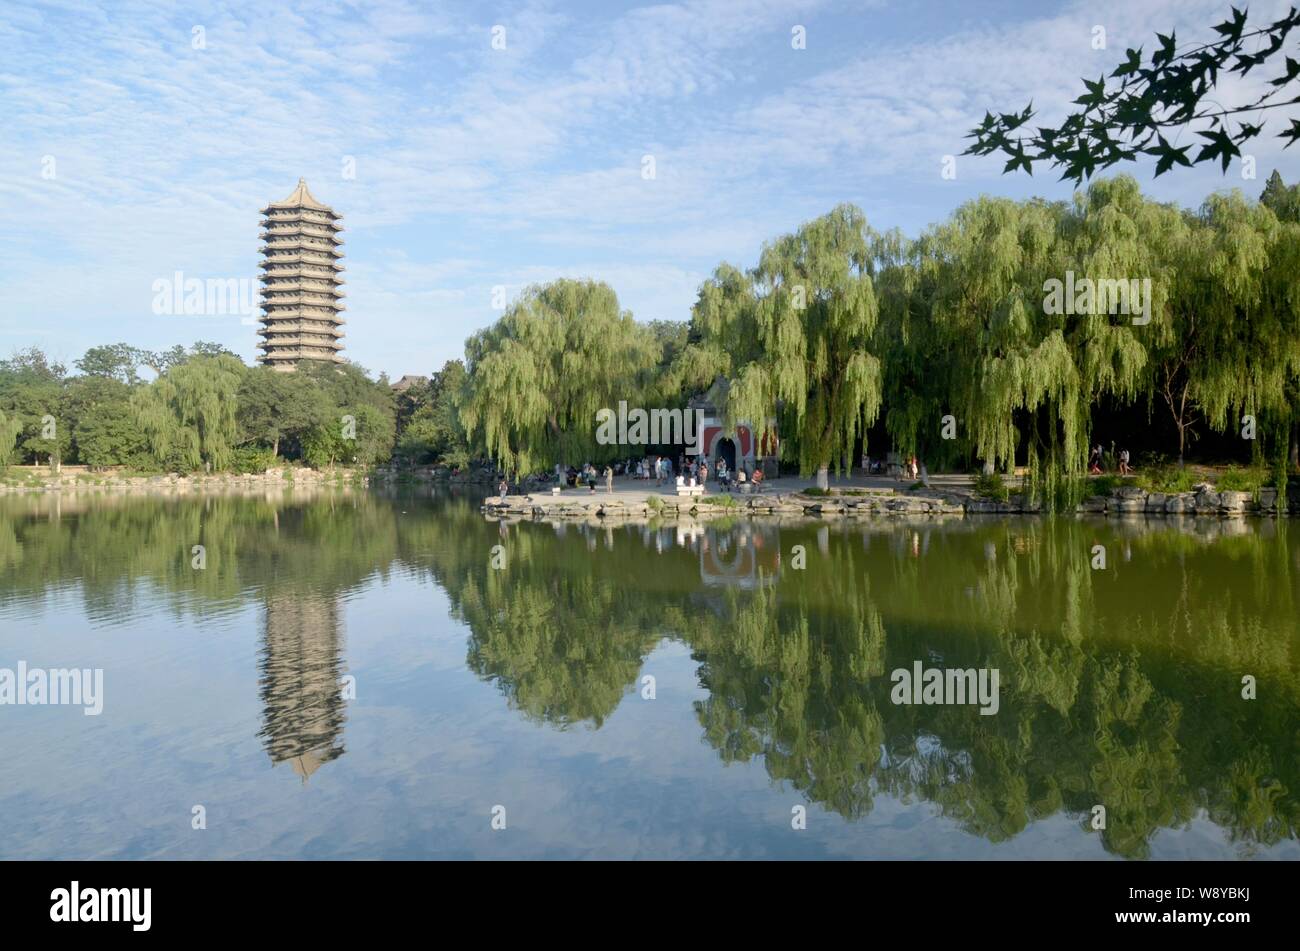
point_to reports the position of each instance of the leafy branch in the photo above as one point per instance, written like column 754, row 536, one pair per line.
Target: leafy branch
column 1122, row 116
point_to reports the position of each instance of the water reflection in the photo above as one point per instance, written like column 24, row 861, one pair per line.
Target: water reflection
column 301, row 685
column 1121, row 686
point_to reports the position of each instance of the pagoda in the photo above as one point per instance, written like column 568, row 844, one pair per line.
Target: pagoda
column 301, row 281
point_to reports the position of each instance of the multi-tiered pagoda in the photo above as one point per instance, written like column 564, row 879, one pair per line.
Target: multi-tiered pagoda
column 301, row 295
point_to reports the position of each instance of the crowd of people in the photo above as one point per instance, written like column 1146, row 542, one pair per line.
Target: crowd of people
column 694, row 470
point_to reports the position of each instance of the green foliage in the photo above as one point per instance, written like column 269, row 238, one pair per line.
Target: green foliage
column 1128, row 116
column 252, row 459
column 107, row 435
column 793, row 338
column 188, row 414
column 1168, row 479
column 990, row 486
column 1281, row 199
column 538, row 376
column 10, row 427
column 324, row 445
column 277, row 407
column 116, row 361
column 1236, row 479
column 431, row 430
column 1104, row 485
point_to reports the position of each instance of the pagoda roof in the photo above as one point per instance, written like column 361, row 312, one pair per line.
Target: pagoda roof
column 302, row 300
column 291, row 257
column 290, row 229
column 299, row 245
column 284, row 284
column 301, row 197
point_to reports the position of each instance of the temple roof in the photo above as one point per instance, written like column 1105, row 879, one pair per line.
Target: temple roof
column 300, row 198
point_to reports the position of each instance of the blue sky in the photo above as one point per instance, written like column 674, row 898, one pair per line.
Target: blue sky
column 478, row 167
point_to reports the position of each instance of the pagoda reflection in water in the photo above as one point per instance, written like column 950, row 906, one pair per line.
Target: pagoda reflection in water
column 301, row 673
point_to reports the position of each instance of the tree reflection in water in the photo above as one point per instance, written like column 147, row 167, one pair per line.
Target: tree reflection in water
column 1120, row 687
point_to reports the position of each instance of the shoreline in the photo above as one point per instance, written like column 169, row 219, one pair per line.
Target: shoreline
column 1123, row 502
column 77, row 481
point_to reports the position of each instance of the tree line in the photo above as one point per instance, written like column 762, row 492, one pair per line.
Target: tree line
column 952, row 345
column 955, row 345
column 203, row 410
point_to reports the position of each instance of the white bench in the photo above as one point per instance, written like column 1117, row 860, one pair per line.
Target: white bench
column 684, row 489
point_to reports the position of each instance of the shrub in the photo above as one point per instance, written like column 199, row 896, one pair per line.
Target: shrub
column 814, row 491
column 991, row 486
column 1167, row 479
column 1242, row 480
column 250, row 459
column 1104, row 485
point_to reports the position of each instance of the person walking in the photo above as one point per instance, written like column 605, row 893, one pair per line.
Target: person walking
column 1123, row 463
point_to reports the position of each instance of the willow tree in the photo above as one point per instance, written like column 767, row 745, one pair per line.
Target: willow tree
column 797, row 331
column 987, row 267
column 1251, row 356
column 188, row 414
column 10, row 427
column 537, row 377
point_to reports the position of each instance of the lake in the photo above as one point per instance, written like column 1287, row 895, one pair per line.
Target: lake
column 368, row 675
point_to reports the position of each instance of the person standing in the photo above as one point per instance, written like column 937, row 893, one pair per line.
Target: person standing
column 609, row 479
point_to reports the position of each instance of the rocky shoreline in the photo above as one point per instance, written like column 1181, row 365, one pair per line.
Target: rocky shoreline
column 71, row 482
column 1124, row 501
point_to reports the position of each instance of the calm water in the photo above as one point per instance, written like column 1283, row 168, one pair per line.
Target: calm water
column 525, row 687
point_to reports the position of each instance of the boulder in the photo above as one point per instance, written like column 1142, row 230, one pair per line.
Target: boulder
column 1234, row 503
column 1206, row 500
column 1131, row 504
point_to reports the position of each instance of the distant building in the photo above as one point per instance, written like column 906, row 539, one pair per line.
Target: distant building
column 408, row 381
column 740, row 445
column 301, row 295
